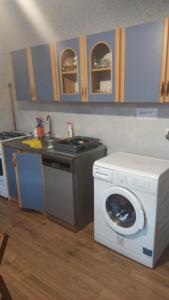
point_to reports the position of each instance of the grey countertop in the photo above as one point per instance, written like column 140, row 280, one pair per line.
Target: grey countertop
column 45, row 152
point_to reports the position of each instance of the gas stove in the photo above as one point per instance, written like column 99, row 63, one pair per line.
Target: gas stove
column 8, row 135
column 76, row 144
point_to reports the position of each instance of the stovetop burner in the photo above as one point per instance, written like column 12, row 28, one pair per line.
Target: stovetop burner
column 76, row 144
column 6, row 135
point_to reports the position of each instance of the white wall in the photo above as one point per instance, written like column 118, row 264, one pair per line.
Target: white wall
column 117, row 126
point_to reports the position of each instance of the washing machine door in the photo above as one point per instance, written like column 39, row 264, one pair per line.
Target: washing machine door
column 122, row 211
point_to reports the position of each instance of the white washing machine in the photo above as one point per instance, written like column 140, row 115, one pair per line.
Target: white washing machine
column 131, row 205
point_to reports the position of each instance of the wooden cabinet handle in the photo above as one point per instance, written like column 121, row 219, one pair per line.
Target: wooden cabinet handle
column 86, row 92
column 14, row 160
column 167, row 89
column 162, row 89
column 82, row 91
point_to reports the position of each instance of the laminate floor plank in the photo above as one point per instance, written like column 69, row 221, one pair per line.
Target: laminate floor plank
column 45, row 261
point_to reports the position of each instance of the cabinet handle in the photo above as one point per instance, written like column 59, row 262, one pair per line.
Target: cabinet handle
column 162, row 89
column 86, row 92
column 82, row 91
column 14, row 161
column 167, row 89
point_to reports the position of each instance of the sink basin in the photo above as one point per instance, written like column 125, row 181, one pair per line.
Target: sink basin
column 49, row 142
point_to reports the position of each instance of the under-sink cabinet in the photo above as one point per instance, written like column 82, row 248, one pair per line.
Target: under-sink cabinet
column 29, row 180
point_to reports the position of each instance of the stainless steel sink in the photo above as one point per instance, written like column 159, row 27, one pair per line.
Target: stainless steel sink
column 49, row 142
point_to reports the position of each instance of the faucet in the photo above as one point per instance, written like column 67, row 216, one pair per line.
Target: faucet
column 48, row 127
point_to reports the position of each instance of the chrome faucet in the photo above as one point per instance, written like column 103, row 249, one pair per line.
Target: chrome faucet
column 48, row 126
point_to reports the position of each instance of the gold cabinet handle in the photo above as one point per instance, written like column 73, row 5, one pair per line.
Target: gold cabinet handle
column 167, row 89
column 162, row 89
column 14, row 160
column 82, row 91
column 86, row 92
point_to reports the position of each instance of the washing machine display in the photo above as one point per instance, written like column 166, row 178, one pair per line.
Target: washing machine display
column 120, row 210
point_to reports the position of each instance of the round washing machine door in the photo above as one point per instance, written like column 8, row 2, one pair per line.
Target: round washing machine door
column 122, row 211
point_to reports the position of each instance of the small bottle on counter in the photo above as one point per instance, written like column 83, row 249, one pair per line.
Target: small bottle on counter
column 69, row 130
column 39, row 129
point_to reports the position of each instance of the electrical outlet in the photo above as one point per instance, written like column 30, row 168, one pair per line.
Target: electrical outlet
column 167, row 133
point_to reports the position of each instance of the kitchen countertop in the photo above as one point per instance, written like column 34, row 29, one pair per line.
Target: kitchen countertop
column 45, row 152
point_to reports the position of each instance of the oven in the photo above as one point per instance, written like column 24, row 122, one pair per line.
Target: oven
column 3, row 181
column 4, row 136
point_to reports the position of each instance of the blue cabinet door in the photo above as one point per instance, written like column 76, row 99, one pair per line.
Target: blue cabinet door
column 101, row 67
column 21, row 76
column 143, row 57
column 69, row 81
column 10, row 172
column 30, row 181
column 41, row 60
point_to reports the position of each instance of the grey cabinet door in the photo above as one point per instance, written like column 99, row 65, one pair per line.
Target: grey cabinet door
column 21, row 76
column 143, row 56
column 42, row 72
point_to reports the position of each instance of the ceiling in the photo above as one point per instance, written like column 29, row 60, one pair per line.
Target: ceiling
column 29, row 22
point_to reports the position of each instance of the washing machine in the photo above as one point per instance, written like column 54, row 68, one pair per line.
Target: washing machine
column 131, row 205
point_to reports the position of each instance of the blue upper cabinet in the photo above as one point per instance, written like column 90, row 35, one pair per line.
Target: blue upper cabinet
column 101, row 67
column 42, row 68
column 68, row 57
column 21, row 75
column 143, row 63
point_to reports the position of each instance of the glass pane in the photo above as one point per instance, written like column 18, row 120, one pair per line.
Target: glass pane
column 69, row 69
column 101, row 65
column 120, row 210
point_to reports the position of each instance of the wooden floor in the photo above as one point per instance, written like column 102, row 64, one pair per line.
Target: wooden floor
column 46, row 261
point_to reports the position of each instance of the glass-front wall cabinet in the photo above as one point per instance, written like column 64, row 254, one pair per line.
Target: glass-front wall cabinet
column 101, row 69
column 68, row 54
column 101, row 62
column 69, row 72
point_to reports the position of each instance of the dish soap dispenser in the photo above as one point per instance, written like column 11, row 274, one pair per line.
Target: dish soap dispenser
column 69, row 130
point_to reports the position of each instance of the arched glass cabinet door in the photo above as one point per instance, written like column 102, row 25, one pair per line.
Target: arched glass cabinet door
column 69, row 68
column 101, row 67
column 69, row 71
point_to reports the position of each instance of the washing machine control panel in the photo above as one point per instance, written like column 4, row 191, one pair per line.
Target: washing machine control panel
column 134, row 182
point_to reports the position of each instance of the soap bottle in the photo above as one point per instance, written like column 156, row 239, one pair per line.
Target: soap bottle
column 69, row 130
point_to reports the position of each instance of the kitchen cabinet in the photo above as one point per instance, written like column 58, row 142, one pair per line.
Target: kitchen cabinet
column 103, row 66
column 44, row 73
column 122, row 65
column 35, row 74
column 68, row 57
column 21, row 75
column 29, row 178
column 144, row 62
column 8, row 154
